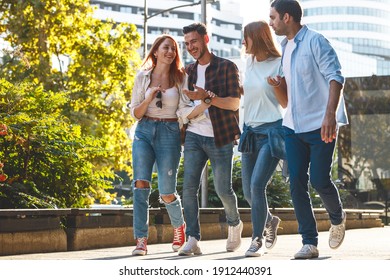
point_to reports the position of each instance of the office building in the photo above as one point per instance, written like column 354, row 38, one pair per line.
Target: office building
column 224, row 25
column 364, row 25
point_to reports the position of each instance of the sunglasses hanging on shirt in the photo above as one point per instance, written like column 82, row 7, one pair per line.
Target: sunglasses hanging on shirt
column 159, row 102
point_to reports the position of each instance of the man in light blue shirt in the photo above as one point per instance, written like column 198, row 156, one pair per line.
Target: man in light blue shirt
column 314, row 112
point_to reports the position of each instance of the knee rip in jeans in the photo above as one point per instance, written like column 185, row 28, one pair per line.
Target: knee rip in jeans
column 141, row 184
column 168, row 198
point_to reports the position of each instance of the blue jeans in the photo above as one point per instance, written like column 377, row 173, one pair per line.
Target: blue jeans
column 197, row 150
column 155, row 142
column 257, row 168
column 304, row 150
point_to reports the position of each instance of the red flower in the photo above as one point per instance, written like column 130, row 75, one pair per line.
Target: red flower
column 3, row 129
column 3, row 177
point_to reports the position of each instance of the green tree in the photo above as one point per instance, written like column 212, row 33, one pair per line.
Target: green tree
column 100, row 58
column 45, row 156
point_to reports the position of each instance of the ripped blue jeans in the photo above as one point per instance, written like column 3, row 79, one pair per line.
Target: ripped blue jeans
column 155, row 142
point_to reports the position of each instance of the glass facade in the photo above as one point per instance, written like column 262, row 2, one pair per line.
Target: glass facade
column 363, row 24
column 363, row 148
column 378, row 13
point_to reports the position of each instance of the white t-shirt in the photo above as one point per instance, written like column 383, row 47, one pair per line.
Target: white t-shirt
column 203, row 127
column 260, row 103
column 288, row 118
column 170, row 101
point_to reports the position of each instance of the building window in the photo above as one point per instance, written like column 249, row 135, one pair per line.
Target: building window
column 126, row 9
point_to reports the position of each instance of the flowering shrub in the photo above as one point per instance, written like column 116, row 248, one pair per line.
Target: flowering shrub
column 3, row 177
column 3, row 129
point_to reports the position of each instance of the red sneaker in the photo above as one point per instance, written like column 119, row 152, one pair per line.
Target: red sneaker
column 179, row 237
column 140, row 249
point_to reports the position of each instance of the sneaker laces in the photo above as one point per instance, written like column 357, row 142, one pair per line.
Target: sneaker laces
column 141, row 243
column 255, row 245
column 336, row 231
column 177, row 235
column 268, row 230
column 233, row 236
column 269, row 234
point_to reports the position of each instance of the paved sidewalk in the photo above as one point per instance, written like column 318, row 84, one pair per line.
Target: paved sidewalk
column 359, row 244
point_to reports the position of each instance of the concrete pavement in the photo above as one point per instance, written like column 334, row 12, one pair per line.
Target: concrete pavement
column 359, row 244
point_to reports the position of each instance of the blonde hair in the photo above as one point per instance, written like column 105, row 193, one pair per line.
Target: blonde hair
column 176, row 70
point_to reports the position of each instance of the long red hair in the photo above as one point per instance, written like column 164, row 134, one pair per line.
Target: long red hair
column 176, row 70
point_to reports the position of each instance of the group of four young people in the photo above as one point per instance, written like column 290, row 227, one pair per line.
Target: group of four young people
column 206, row 97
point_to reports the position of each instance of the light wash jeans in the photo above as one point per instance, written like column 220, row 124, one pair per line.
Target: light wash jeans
column 155, row 142
column 197, row 150
column 257, row 168
column 304, row 150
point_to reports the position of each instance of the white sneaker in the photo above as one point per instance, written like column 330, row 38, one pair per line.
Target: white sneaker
column 256, row 249
column 337, row 233
column 308, row 251
column 191, row 247
column 234, row 237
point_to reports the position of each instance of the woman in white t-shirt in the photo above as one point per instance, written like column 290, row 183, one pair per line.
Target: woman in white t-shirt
column 262, row 141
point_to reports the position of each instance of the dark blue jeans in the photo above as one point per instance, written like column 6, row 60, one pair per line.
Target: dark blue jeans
column 307, row 152
column 197, row 150
column 257, row 168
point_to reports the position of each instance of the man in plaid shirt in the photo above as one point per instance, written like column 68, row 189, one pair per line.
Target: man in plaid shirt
column 214, row 86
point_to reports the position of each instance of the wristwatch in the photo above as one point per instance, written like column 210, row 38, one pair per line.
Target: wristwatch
column 207, row 100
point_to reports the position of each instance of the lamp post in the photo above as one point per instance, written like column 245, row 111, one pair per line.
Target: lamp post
column 147, row 17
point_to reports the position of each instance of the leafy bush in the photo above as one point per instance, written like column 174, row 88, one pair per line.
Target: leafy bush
column 49, row 163
column 67, row 126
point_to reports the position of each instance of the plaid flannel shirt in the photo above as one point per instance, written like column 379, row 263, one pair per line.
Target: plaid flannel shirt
column 222, row 78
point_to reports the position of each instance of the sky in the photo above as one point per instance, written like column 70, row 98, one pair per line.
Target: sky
column 252, row 10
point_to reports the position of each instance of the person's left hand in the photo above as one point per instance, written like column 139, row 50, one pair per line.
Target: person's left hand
column 197, row 94
column 274, row 81
column 328, row 129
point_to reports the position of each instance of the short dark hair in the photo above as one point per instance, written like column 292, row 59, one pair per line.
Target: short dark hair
column 198, row 27
column 291, row 7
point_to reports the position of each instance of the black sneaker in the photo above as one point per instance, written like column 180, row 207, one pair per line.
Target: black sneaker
column 270, row 232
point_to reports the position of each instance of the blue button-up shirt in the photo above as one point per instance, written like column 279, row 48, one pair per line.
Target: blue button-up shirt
column 314, row 64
